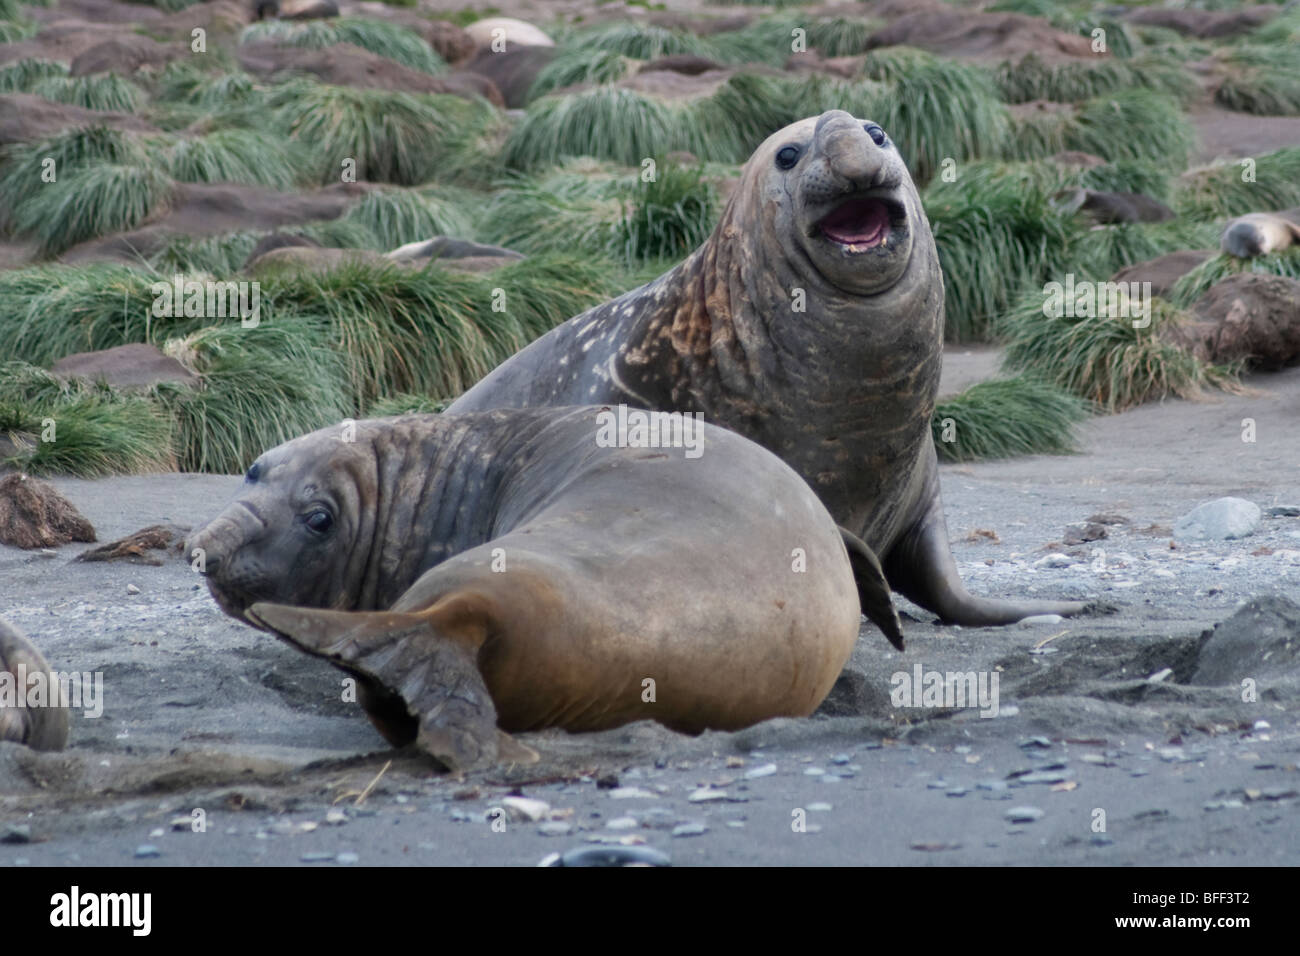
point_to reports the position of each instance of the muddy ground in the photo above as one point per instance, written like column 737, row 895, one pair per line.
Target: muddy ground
column 202, row 713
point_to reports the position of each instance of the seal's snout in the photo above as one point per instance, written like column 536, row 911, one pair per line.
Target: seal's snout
column 850, row 153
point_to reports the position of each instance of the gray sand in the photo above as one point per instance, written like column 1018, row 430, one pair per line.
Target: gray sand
column 203, row 713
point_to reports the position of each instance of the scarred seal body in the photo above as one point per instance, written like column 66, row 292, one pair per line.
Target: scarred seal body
column 811, row 321
column 519, row 573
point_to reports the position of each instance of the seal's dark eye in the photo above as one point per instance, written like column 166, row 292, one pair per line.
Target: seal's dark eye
column 876, row 133
column 320, row 521
column 786, row 157
column 254, row 471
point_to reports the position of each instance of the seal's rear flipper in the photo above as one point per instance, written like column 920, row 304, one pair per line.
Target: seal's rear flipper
column 922, row 568
column 434, row 672
column 873, row 589
column 39, row 727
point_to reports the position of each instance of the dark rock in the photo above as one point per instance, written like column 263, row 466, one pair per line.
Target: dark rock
column 1262, row 639
column 134, row 366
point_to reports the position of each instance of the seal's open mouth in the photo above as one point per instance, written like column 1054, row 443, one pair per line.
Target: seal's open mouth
column 863, row 223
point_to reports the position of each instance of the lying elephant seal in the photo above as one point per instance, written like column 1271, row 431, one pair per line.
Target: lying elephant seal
column 510, row 569
column 1259, row 233
column 41, row 728
column 810, row 321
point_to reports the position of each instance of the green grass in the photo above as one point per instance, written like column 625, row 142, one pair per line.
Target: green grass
column 96, row 91
column 404, row 403
column 261, row 387
column 91, row 201
column 20, row 76
column 994, row 239
column 938, row 109
column 1032, row 79
column 1106, row 360
column 1106, row 250
column 96, row 430
column 605, row 122
column 220, row 255
column 377, row 36
column 1132, row 124
column 1261, row 79
column 1197, row 282
column 584, row 65
column 1271, row 181
column 1004, row 418
column 393, row 137
column 638, row 41
column 604, row 212
column 249, row 156
column 398, row 216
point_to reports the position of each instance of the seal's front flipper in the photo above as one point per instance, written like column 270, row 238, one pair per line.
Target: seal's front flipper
column 873, row 589
column 432, row 670
column 41, row 726
column 922, row 569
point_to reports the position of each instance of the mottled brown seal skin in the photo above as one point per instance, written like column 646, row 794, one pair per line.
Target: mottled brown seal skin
column 512, row 573
column 41, row 728
column 825, row 220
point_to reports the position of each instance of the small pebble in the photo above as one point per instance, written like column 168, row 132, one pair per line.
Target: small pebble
column 17, row 833
column 690, row 829
column 147, row 851
column 1023, row 814
column 347, row 857
column 132, row 589
column 766, row 770
column 316, row 857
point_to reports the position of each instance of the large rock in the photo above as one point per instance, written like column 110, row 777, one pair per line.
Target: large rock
column 1262, row 639
column 983, row 36
column 124, row 55
column 1220, row 520
column 1203, row 23
column 135, row 366
column 1246, row 316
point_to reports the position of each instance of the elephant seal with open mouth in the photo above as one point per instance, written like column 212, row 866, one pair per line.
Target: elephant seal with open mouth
column 523, row 569
column 811, row 321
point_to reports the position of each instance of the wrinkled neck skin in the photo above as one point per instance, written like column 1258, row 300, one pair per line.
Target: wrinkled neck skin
column 843, row 391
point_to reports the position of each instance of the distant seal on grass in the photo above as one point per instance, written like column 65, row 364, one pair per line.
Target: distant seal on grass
column 507, row 569
column 810, row 321
column 1260, row 233
column 39, row 727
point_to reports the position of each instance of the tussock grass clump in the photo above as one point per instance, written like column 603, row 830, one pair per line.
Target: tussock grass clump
column 392, row 137
column 261, row 386
column 604, row 212
column 638, row 41
column 435, row 331
column 398, row 216
column 246, row 156
column 605, row 122
column 1036, row 133
column 15, row 31
column 53, row 311
column 1003, row 418
column 1263, row 80
column 95, row 91
column 221, row 255
column 377, row 36
column 1032, row 79
column 1197, row 282
column 183, row 82
column 97, row 430
column 667, row 217
column 93, row 201
column 24, row 166
column 21, row 75
column 994, row 239
column 1269, row 182
column 1130, row 176
column 938, row 109
column 839, row 36
column 585, row 65
column 1106, row 360
column 1135, row 125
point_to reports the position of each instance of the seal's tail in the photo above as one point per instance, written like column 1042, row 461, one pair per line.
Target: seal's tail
column 426, row 659
column 873, row 590
column 39, row 727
